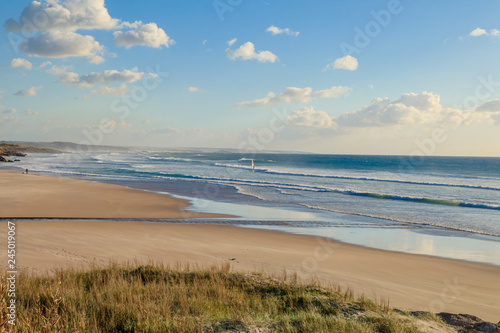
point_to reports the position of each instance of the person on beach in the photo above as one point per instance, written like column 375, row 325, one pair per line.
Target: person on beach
column 26, row 171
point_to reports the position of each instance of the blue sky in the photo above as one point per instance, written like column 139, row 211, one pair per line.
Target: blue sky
column 365, row 77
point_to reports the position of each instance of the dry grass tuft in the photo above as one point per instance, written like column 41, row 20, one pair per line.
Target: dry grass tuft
column 156, row 298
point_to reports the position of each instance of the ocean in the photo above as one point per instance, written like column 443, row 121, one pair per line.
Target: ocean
column 390, row 202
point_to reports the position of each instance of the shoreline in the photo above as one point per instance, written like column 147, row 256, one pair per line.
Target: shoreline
column 413, row 282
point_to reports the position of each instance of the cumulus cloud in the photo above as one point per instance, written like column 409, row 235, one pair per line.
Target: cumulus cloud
column 30, row 112
column 55, row 23
column 9, row 120
column 332, row 92
column 232, row 41
column 410, row 108
column 95, row 59
column 348, row 62
column 247, row 52
column 111, row 91
column 489, row 110
column 28, row 93
column 18, row 62
column 293, row 95
column 144, row 34
column 67, row 15
column 308, row 117
column 177, row 133
column 478, row 32
column 489, row 106
column 45, row 64
column 56, row 70
column 482, row 32
column 278, row 31
column 8, row 111
column 60, row 44
column 106, row 78
column 192, row 89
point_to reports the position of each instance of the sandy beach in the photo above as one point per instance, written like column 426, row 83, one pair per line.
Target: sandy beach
column 35, row 196
column 410, row 282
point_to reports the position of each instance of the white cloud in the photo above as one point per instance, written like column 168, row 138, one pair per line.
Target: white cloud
column 69, row 15
column 106, row 78
column 56, row 70
column 8, row 111
column 95, row 59
column 489, row 106
column 247, row 52
column 489, row 110
column 192, row 89
column 111, row 91
column 308, row 117
column 9, row 119
column 18, row 62
column 177, row 133
column 482, row 32
column 478, row 32
column 293, row 95
column 410, row 108
column 165, row 130
column 144, row 34
column 30, row 112
column 332, row 92
column 232, row 41
column 45, row 64
column 348, row 62
column 278, row 31
column 29, row 93
column 59, row 44
column 55, row 23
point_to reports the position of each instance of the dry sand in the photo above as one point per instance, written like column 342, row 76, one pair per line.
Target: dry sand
column 35, row 196
column 411, row 282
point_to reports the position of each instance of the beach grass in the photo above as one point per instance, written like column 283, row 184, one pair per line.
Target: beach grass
column 157, row 298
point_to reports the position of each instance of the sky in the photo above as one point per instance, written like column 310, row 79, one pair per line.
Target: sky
column 409, row 77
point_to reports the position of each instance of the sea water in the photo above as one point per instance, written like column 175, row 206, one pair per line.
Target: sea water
column 436, row 196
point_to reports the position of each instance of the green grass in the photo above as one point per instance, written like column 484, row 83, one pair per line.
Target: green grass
column 128, row 298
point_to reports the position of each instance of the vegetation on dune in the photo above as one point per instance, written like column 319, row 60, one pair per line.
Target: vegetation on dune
column 154, row 298
column 8, row 149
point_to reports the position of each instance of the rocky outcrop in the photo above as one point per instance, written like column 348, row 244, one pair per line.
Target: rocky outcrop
column 465, row 323
column 11, row 153
column 9, row 150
